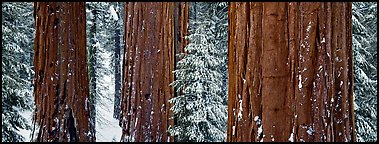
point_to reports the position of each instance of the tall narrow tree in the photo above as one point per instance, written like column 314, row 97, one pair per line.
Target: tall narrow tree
column 147, row 71
column 199, row 109
column 99, row 44
column 290, row 72
column 92, row 64
column 117, row 63
column 101, row 19
column 61, row 91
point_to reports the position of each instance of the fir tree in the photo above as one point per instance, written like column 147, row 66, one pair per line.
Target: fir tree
column 17, row 73
column 365, row 74
column 116, row 62
column 99, row 44
column 199, row 109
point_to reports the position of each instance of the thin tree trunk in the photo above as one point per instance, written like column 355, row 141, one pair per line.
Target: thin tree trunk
column 147, row 71
column 92, row 68
column 61, row 78
column 290, row 72
column 117, row 53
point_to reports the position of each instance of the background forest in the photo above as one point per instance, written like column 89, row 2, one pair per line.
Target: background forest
column 201, row 73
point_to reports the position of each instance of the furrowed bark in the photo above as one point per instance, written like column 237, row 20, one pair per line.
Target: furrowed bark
column 61, row 82
column 147, row 71
column 290, row 68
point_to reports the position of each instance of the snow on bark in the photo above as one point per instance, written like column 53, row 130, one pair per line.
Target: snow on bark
column 304, row 70
column 57, row 34
column 147, row 72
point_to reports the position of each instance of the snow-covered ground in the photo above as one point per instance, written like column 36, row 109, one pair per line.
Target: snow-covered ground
column 28, row 115
column 107, row 129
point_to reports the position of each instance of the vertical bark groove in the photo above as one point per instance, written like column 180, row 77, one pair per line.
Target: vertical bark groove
column 61, row 84
column 290, row 71
column 147, row 69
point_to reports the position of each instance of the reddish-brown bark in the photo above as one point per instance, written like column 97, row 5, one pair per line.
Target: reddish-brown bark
column 147, row 67
column 290, row 65
column 61, row 76
column 183, row 17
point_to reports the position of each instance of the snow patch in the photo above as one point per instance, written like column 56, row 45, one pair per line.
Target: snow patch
column 89, row 134
column 291, row 138
column 310, row 131
column 86, row 104
column 309, row 26
column 113, row 13
column 135, row 124
column 256, row 118
column 240, row 110
column 108, row 127
column 233, row 130
column 300, row 85
column 260, row 130
column 260, row 127
column 323, row 40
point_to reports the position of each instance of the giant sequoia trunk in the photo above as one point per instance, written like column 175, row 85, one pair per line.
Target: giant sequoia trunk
column 147, row 71
column 61, row 77
column 290, row 72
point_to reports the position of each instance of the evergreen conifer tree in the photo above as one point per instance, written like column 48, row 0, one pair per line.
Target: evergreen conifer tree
column 200, row 110
column 364, row 22
column 17, row 71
